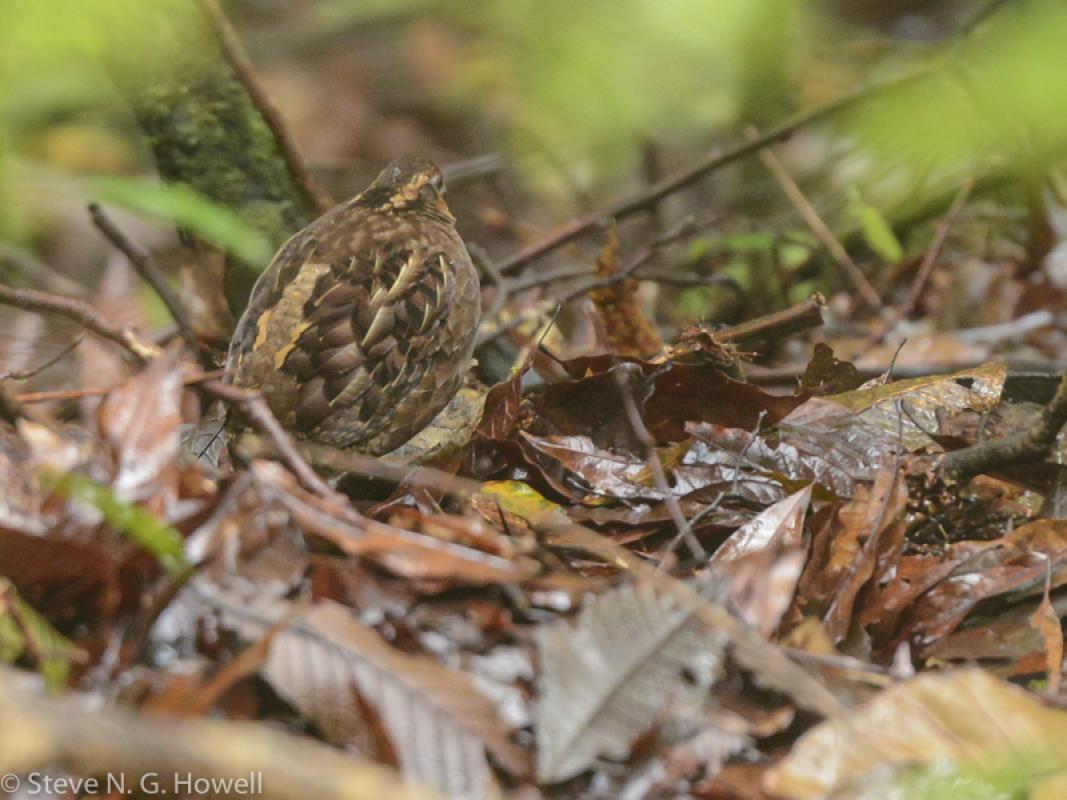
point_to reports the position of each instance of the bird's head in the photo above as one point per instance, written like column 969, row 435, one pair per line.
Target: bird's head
column 409, row 184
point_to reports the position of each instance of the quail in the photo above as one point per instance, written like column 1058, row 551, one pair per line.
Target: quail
column 361, row 328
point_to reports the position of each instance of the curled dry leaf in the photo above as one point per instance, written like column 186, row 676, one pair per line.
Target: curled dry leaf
column 403, row 552
column 872, row 530
column 763, row 560
column 1046, row 620
column 1015, row 565
column 629, row 332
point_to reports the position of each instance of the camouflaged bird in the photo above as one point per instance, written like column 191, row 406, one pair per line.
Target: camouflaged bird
column 361, row 329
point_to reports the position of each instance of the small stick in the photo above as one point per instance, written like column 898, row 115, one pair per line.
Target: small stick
column 241, row 65
column 501, row 285
column 29, row 398
column 655, row 466
column 685, row 227
column 796, row 318
column 81, row 312
column 39, row 272
column 380, row 468
column 820, row 229
column 146, row 267
column 21, row 376
column 933, row 252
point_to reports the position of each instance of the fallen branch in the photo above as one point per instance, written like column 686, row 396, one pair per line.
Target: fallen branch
column 1034, row 444
column 779, row 324
column 99, row 391
column 379, row 468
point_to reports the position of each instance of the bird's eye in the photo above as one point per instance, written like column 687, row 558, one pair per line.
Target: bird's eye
column 435, row 185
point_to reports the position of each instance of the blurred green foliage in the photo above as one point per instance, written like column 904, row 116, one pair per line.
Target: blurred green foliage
column 24, row 633
column 133, row 521
column 877, row 232
column 1014, row 776
column 992, row 104
column 50, row 77
column 187, row 209
column 578, row 89
column 583, row 85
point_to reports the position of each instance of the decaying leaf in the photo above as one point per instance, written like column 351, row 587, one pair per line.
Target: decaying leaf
column 871, row 525
column 826, row 374
column 404, row 552
column 910, row 409
column 438, row 723
column 966, row 717
column 615, row 673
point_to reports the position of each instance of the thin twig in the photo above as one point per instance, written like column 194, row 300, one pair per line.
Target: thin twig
column 501, row 286
column 80, row 312
column 379, row 468
column 26, row 374
column 790, row 374
column 253, row 406
column 683, row 228
column 926, row 268
column 99, row 391
column 145, row 266
column 535, row 281
column 821, row 230
column 40, row 273
column 241, row 65
column 788, row 321
column 655, row 465
column 716, row 160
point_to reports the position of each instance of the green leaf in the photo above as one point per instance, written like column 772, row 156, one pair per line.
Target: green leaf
column 877, row 232
column 186, row 208
column 139, row 524
column 523, row 501
column 25, row 632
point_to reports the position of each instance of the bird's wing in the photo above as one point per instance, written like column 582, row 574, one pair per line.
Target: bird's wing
column 364, row 324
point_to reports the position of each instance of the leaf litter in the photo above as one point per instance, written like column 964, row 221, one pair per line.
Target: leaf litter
column 539, row 626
